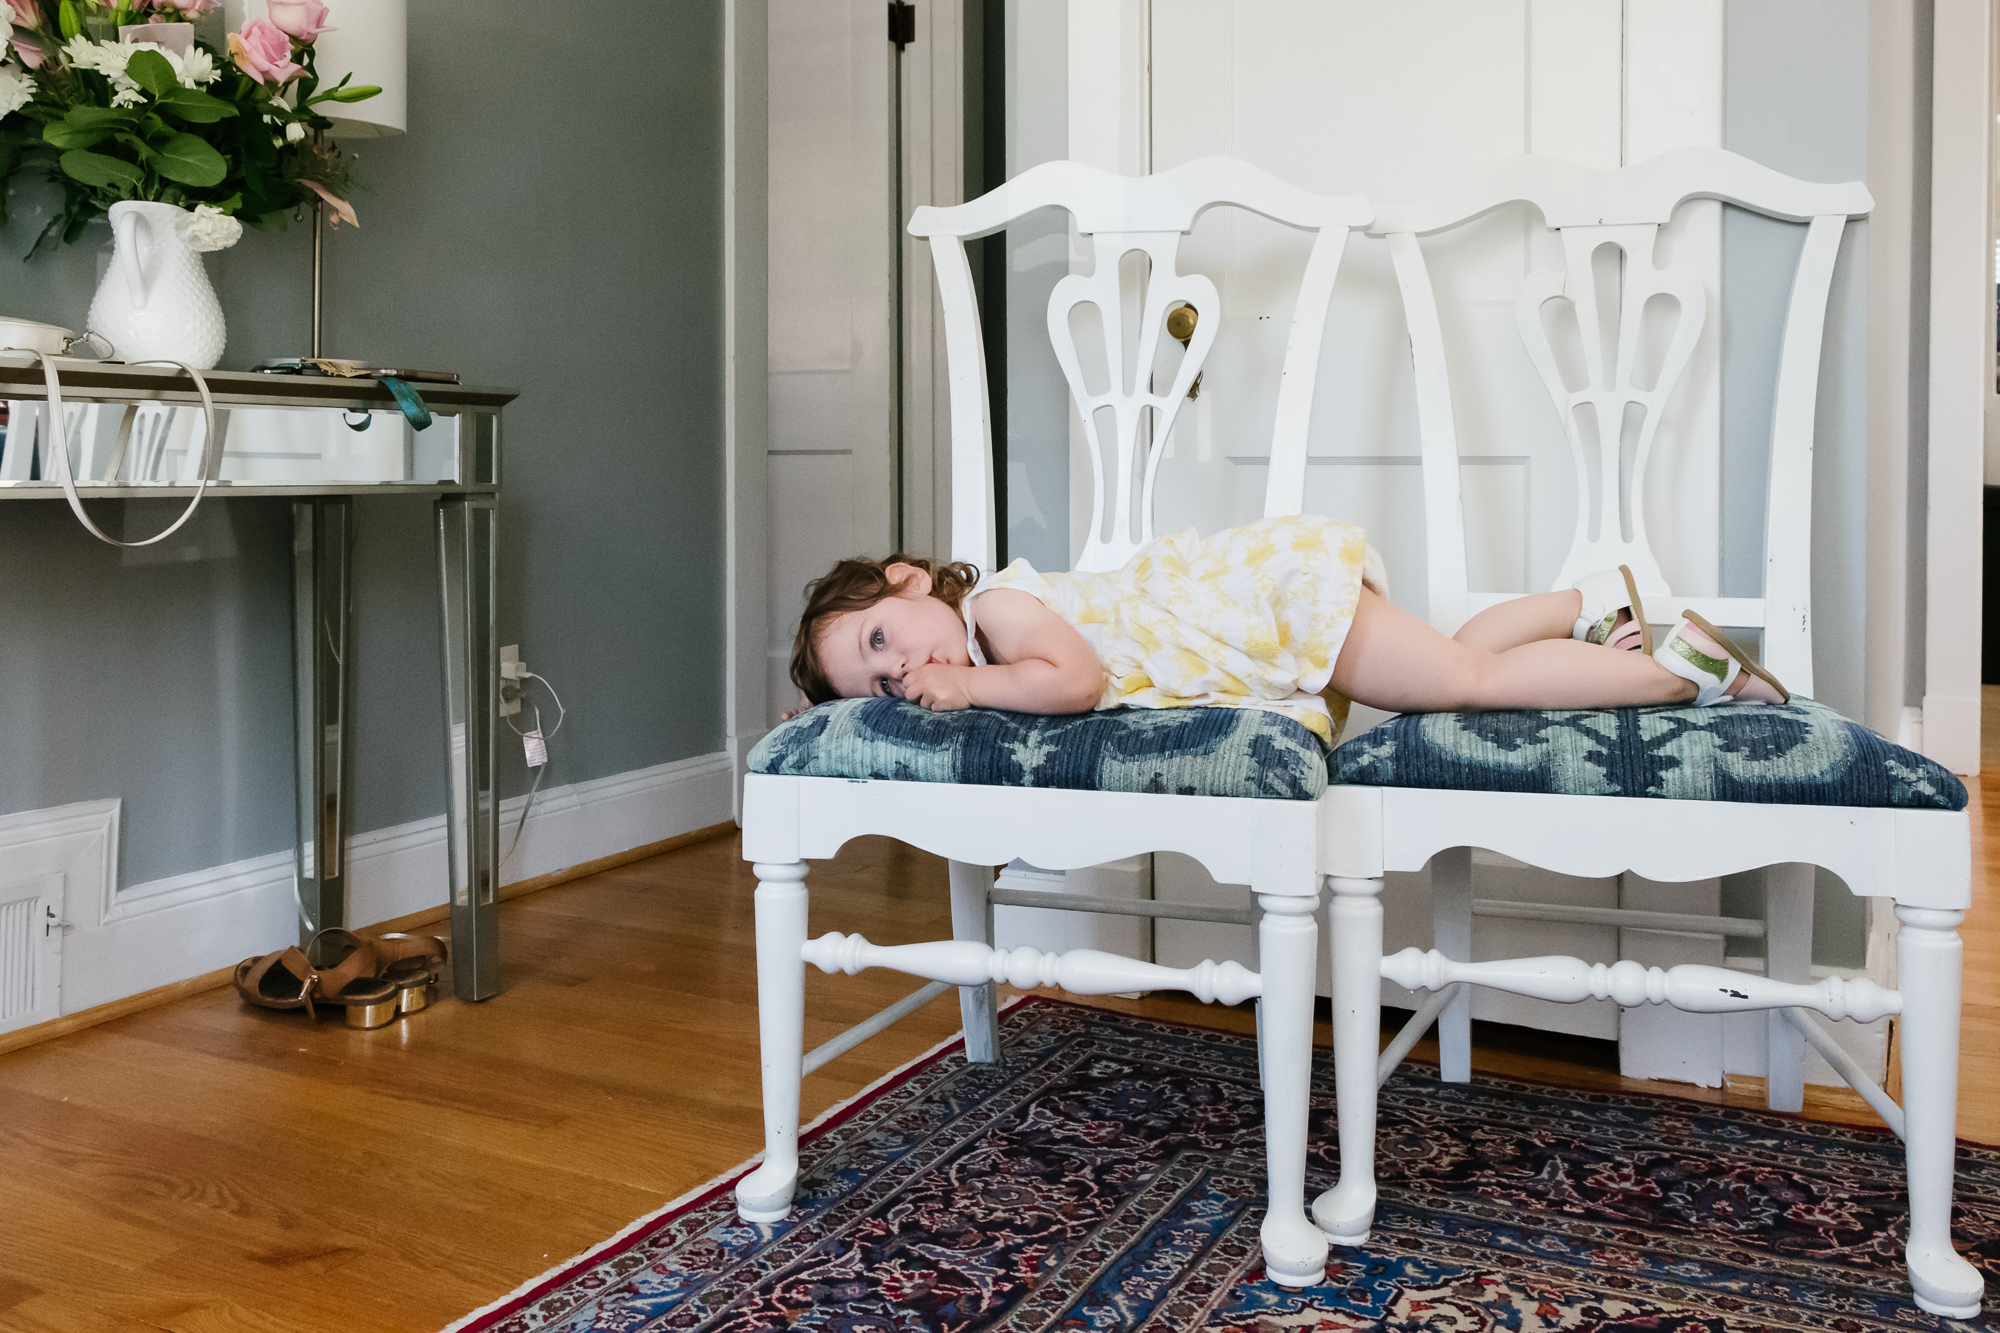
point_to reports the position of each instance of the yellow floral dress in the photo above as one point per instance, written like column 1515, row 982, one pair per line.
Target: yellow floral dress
column 1252, row 617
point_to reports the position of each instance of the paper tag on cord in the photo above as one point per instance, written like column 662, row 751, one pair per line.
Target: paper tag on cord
column 537, row 748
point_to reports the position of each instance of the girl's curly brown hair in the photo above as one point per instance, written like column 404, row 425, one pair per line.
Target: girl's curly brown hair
column 855, row 585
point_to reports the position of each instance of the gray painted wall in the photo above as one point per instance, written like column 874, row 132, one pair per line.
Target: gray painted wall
column 551, row 222
column 1795, row 97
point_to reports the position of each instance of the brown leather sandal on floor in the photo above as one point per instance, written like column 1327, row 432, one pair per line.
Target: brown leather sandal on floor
column 410, row 962
column 287, row 979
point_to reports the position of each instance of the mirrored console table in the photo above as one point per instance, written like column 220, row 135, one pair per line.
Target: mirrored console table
column 139, row 431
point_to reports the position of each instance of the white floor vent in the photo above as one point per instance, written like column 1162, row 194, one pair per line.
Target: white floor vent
column 31, row 934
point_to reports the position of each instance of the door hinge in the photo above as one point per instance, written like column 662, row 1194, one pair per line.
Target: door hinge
column 902, row 23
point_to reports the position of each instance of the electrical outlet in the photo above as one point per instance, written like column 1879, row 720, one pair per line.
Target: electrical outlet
column 510, row 679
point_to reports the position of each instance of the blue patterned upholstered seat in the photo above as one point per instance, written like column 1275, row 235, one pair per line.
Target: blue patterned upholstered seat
column 1187, row 751
column 1800, row 753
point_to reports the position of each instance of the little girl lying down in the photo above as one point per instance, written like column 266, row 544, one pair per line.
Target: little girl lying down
column 1274, row 615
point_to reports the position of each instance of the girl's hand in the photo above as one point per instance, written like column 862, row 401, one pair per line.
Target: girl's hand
column 939, row 687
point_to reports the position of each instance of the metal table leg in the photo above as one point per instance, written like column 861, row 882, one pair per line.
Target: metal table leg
column 468, row 574
column 322, row 614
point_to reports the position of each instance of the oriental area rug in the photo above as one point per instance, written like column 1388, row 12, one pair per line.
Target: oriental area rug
column 1107, row 1175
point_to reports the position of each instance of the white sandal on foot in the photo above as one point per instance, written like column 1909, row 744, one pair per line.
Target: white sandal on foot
column 1697, row 651
column 1605, row 594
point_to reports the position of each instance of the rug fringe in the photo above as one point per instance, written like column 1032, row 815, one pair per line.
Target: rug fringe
column 713, row 1183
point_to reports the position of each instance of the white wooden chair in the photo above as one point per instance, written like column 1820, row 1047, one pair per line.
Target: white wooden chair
column 1271, row 845
column 1920, row 858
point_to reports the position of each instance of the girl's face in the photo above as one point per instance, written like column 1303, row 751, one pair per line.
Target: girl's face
column 867, row 653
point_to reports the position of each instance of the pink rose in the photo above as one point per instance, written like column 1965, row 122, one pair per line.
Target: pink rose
column 303, row 19
column 264, row 52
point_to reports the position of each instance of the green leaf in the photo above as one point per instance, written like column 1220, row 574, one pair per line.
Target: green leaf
column 195, row 107
column 67, row 21
column 191, row 161
column 101, row 171
column 150, row 70
column 62, row 135
column 359, row 93
column 101, row 117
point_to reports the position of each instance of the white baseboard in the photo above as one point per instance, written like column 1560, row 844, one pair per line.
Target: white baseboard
column 1951, row 732
column 168, row 930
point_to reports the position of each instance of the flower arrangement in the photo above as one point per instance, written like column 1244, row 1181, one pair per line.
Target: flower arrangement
column 153, row 114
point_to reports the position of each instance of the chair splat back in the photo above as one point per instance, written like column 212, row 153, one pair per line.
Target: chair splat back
column 1618, row 397
column 1121, row 215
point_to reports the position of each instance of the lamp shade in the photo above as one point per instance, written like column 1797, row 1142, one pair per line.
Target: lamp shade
column 370, row 41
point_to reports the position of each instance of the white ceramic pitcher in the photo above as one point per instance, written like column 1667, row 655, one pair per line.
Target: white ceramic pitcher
column 155, row 300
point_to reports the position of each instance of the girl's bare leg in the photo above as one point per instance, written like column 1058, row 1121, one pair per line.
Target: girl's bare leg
column 1542, row 615
column 1394, row 661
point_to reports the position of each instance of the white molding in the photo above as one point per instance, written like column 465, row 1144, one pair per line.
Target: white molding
column 90, row 868
column 251, row 874
column 1892, row 181
column 745, row 358
column 1961, row 375
column 167, row 930
column 933, row 175
column 66, row 856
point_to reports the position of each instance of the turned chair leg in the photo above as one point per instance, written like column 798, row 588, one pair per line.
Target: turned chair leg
column 1788, row 924
column 1451, row 927
column 1347, row 1211
column 765, row 1195
column 972, row 919
column 1257, row 965
column 1929, row 958
column 1288, row 954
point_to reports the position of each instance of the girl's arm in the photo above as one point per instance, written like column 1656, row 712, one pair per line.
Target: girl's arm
column 1042, row 665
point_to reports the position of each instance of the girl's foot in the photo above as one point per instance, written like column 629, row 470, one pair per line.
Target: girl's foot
column 1697, row 651
column 1612, row 613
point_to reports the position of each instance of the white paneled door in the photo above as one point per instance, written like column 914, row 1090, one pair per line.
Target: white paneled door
column 831, row 483
column 862, row 131
column 1396, row 101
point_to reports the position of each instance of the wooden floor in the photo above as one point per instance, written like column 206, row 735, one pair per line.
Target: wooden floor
column 209, row 1166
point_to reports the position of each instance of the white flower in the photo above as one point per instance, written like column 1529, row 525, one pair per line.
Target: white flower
column 197, row 66
column 209, row 228
column 109, row 59
column 295, row 132
column 15, row 91
column 86, row 54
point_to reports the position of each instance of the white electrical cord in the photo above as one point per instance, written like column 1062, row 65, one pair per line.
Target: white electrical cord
column 540, row 769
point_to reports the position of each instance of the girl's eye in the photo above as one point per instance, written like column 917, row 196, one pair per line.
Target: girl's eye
column 876, row 640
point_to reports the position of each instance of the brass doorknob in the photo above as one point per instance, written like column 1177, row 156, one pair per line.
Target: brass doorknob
column 1180, row 323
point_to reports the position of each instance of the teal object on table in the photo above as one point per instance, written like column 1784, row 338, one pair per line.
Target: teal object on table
column 415, row 410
